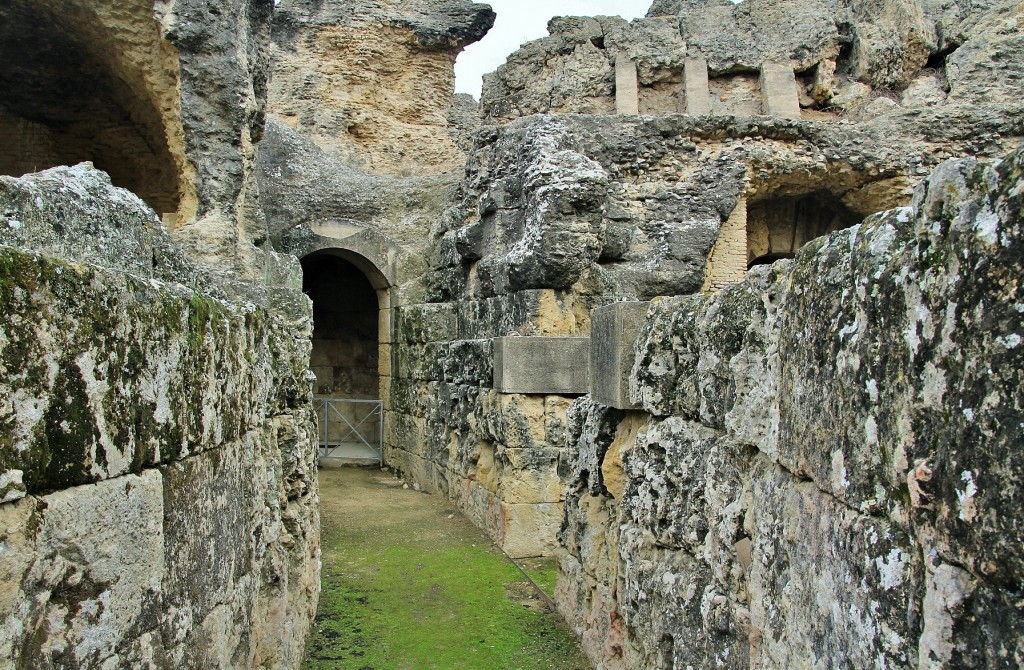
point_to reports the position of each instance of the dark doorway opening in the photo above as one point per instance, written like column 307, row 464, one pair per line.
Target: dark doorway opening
column 345, row 355
column 345, row 359
column 778, row 227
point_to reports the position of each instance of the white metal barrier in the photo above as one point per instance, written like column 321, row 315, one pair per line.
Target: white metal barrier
column 347, row 426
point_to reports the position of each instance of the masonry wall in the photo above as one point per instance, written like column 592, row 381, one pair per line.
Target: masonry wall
column 157, row 459
column 560, row 215
column 826, row 468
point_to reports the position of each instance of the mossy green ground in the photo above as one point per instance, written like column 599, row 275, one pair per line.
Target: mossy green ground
column 543, row 572
column 409, row 584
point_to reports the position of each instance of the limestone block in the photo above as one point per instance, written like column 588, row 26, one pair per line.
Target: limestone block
column 556, row 419
column 529, row 475
column 614, row 330
column 696, row 94
column 627, row 89
column 95, row 580
column 778, row 90
column 860, row 574
column 434, row 322
column 75, row 213
column 521, row 422
column 542, row 365
column 530, row 529
column 468, row 362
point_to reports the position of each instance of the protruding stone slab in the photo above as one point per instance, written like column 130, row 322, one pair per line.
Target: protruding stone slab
column 613, row 330
column 696, row 93
column 546, row 365
column 627, row 88
column 778, row 90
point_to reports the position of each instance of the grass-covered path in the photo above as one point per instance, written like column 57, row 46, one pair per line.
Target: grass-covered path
column 409, row 584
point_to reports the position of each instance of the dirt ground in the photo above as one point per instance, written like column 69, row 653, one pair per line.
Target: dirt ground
column 409, row 584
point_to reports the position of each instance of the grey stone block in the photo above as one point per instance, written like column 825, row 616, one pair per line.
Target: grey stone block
column 546, row 365
column 613, row 331
column 627, row 88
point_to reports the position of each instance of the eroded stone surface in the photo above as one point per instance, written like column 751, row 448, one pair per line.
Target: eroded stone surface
column 143, row 422
column 828, row 469
column 373, row 82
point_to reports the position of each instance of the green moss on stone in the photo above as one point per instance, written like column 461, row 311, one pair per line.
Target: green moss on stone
column 63, row 458
column 201, row 312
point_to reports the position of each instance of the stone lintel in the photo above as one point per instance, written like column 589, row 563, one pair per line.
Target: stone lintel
column 778, row 90
column 613, row 332
column 542, row 365
column 696, row 93
column 627, row 87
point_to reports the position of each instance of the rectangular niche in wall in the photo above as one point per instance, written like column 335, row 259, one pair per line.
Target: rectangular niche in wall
column 777, row 227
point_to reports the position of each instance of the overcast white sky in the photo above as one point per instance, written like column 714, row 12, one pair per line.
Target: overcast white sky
column 524, row 20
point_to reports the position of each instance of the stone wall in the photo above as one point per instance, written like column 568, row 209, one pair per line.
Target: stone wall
column 373, row 82
column 559, row 215
column 157, row 458
column 825, row 470
column 818, row 60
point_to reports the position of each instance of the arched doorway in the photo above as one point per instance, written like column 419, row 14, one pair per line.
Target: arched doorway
column 93, row 80
column 350, row 323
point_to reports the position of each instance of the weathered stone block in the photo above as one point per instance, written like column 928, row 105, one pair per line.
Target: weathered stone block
column 627, row 90
column 697, row 95
column 545, row 365
column 74, row 552
column 434, row 322
column 778, row 90
column 613, row 331
column 529, row 529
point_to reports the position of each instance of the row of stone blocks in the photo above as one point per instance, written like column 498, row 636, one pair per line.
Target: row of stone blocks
column 599, row 365
column 779, row 94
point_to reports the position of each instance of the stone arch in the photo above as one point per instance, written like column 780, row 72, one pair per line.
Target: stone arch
column 350, row 309
column 94, row 80
column 370, row 251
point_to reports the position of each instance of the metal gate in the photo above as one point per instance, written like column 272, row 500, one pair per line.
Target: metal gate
column 351, row 429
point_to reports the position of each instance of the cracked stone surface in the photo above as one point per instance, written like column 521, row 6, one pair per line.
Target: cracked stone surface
column 827, row 465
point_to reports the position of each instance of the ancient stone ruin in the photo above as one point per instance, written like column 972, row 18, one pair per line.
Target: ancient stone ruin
column 722, row 307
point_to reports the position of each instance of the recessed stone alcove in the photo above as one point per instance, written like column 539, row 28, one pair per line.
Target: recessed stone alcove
column 77, row 86
column 777, row 227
